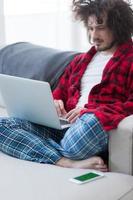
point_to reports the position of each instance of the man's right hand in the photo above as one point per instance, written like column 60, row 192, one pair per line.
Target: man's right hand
column 60, row 108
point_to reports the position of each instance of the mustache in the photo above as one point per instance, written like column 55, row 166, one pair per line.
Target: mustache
column 97, row 40
column 92, row 41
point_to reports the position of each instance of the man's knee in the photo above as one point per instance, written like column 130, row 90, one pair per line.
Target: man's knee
column 85, row 138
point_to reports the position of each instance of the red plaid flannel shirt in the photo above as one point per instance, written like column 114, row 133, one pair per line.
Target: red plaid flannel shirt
column 112, row 99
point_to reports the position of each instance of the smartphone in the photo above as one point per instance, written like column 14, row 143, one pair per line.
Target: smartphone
column 84, row 178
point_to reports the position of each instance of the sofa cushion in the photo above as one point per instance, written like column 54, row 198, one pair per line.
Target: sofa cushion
column 32, row 181
column 33, row 61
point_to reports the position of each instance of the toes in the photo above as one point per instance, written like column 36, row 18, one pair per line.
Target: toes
column 102, row 168
column 98, row 164
column 97, row 160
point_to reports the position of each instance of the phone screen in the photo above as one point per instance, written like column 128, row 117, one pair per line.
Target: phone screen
column 86, row 177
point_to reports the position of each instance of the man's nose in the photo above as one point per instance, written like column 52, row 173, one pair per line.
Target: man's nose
column 94, row 33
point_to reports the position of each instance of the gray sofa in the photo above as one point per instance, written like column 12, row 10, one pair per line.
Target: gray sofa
column 47, row 64
column 38, row 181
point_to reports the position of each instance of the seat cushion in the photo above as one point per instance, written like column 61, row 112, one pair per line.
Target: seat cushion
column 27, row 180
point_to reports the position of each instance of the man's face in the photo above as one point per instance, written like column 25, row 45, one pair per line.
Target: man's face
column 100, row 35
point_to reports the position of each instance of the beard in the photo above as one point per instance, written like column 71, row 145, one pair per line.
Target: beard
column 104, row 48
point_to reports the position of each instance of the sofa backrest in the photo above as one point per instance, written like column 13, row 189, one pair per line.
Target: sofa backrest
column 28, row 60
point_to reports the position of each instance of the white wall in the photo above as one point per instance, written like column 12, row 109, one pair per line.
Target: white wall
column 2, row 24
column 45, row 22
column 2, row 32
column 57, row 31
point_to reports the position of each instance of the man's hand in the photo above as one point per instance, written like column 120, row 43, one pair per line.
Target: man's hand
column 60, row 108
column 72, row 115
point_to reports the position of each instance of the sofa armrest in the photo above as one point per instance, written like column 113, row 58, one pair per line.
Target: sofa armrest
column 121, row 147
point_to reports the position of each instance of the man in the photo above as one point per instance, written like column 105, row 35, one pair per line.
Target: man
column 92, row 106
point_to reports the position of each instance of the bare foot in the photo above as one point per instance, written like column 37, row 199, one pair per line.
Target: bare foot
column 91, row 163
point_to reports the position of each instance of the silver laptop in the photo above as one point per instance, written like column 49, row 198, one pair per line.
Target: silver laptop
column 31, row 100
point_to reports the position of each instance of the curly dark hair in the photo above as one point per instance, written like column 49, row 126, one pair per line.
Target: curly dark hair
column 119, row 15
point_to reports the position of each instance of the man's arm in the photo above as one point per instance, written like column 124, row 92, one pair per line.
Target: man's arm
column 63, row 87
column 111, row 114
column 60, row 92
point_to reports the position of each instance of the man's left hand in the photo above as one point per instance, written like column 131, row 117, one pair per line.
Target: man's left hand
column 73, row 114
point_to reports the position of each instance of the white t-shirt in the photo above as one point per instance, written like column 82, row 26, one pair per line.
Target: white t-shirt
column 92, row 76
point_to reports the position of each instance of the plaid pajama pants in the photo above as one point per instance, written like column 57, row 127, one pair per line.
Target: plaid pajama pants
column 28, row 141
